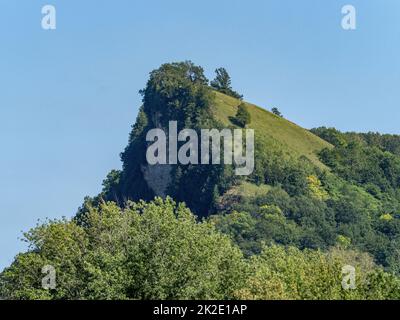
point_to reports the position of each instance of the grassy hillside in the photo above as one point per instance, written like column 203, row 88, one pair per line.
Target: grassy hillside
column 291, row 137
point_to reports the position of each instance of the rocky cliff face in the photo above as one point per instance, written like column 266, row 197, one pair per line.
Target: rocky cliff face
column 158, row 178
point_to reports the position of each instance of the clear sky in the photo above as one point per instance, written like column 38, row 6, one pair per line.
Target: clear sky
column 68, row 97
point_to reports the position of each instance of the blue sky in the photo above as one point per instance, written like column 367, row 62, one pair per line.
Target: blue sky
column 68, row 97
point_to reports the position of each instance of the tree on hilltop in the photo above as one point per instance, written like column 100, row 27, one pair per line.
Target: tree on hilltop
column 276, row 112
column 222, row 83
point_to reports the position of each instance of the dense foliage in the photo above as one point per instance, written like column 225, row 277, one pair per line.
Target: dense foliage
column 153, row 250
column 158, row 250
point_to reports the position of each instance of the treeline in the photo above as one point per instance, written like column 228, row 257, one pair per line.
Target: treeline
column 157, row 250
column 385, row 142
column 367, row 160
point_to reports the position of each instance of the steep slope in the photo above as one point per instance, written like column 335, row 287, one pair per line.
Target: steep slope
column 293, row 138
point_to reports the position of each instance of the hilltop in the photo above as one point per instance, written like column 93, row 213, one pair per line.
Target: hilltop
column 309, row 188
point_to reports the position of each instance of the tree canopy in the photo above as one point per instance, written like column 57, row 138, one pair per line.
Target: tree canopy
column 157, row 250
column 243, row 116
column 222, row 83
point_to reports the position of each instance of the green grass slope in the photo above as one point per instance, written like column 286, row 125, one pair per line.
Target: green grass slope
column 292, row 138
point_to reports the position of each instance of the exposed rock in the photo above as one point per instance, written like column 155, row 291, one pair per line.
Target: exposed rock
column 158, row 178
